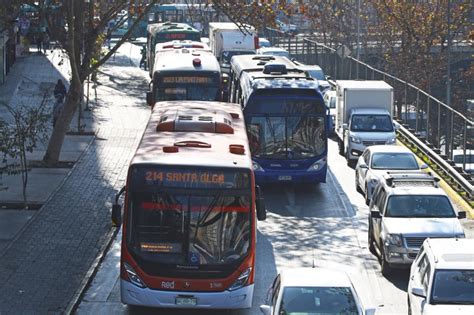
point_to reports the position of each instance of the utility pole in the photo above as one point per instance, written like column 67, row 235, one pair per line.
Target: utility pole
column 358, row 38
column 448, row 58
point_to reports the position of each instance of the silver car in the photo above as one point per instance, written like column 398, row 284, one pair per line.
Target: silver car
column 376, row 160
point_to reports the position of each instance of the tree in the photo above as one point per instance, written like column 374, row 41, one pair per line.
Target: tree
column 80, row 36
column 17, row 139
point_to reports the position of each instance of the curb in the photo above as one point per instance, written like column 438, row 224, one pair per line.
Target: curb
column 93, row 269
column 51, row 196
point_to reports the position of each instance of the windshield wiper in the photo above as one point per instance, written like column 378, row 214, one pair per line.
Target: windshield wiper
column 270, row 126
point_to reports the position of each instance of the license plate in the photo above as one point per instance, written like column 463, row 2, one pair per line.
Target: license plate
column 284, row 177
column 185, row 301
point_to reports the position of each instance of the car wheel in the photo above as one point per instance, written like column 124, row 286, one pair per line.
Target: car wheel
column 366, row 196
column 359, row 190
column 341, row 147
column 371, row 241
column 384, row 266
column 409, row 305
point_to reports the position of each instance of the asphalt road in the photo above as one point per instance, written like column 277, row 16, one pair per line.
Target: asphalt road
column 325, row 222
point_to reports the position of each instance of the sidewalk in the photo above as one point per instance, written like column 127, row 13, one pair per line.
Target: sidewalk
column 44, row 260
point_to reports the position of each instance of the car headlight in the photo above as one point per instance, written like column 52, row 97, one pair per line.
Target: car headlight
column 391, row 140
column 241, row 280
column 461, row 235
column 257, row 167
column 317, row 165
column 394, row 239
column 355, row 139
column 133, row 276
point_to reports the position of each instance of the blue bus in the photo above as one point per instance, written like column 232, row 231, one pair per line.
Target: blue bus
column 286, row 118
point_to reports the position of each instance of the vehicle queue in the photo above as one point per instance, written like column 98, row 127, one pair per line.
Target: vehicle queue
column 286, row 124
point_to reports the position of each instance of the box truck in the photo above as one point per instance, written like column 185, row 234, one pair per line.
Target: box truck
column 227, row 39
column 364, row 116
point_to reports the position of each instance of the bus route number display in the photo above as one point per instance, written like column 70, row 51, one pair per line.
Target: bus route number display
column 186, row 80
column 191, row 178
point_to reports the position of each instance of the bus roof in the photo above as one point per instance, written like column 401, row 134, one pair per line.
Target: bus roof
column 178, row 44
column 256, row 63
column 184, row 122
column 185, row 60
column 170, row 27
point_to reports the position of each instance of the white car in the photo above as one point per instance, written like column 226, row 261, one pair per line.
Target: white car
column 442, row 278
column 263, row 42
column 376, row 160
column 287, row 28
column 313, row 291
column 317, row 73
column 273, row 51
column 459, row 157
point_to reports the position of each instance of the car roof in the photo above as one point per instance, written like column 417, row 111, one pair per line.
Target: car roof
column 310, row 67
column 272, row 49
column 314, row 277
column 388, row 148
column 452, row 253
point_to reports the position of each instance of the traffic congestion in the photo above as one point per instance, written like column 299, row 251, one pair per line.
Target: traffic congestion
column 234, row 127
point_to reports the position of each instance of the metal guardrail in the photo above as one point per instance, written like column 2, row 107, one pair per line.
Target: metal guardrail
column 435, row 128
column 457, row 181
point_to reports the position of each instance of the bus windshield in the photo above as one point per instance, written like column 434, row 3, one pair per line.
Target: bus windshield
column 189, row 216
column 290, row 129
column 200, row 87
column 190, row 229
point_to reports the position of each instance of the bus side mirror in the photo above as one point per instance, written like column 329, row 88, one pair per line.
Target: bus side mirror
column 149, row 98
column 260, row 204
column 116, row 215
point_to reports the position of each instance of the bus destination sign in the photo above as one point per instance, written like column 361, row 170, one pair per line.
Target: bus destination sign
column 187, row 80
column 191, row 178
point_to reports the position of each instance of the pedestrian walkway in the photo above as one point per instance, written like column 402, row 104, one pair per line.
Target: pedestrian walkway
column 43, row 267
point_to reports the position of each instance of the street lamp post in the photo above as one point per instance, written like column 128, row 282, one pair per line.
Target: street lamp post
column 358, row 38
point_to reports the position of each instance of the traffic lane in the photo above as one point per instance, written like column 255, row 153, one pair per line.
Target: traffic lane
column 304, row 223
column 387, row 293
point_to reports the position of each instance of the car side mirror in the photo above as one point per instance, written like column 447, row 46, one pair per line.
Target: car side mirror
column 424, row 166
column 344, row 126
column 363, row 165
column 461, row 214
column 116, row 215
column 265, row 309
column 375, row 214
column 418, row 291
column 396, row 126
column 370, row 311
column 260, row 204
column 149, row 98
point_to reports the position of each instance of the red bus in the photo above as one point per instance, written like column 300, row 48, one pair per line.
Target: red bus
column 190, row 210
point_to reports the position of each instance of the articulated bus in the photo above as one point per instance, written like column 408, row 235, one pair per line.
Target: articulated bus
column 185, row 74
column 165, row 32
column 190, row 210
column 286, row 118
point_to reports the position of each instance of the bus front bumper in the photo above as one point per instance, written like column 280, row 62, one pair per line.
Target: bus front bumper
column 278, row 176
column 133, row 295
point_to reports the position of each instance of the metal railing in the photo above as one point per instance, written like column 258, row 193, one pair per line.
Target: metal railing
column 434, row 124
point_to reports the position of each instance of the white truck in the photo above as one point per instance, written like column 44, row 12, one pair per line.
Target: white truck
column 226, row 39
column 364, row 112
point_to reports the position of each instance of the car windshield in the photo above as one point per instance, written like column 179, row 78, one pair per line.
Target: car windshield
column 318, row 300
column 317, row 74
column 459, row 158
column 393, row 161
column 190, row 229
column 419, row 206
column 380, row 123
column 453, row 287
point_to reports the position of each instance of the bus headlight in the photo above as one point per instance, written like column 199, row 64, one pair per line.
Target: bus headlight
column 257, row 167
column 132, row 276
column 241, row 280
column 316, row 166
